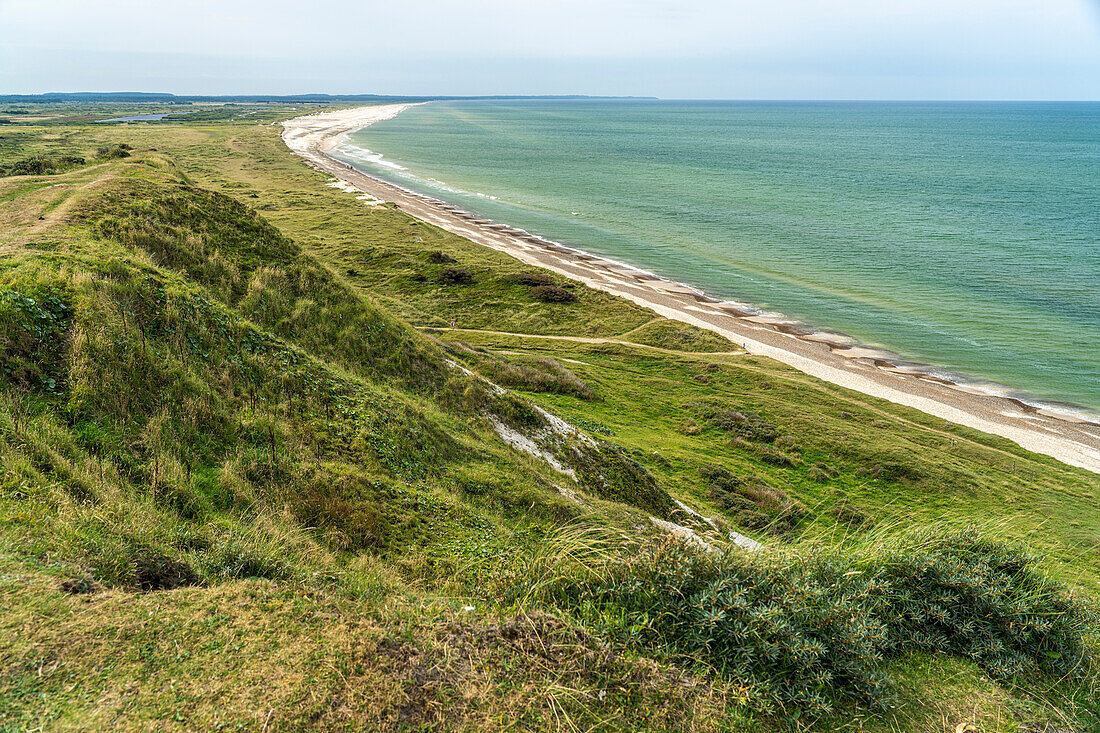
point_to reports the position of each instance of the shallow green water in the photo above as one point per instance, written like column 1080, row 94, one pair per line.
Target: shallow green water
column 966, row 236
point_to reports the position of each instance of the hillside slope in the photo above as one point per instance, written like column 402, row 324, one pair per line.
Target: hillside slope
column 238, row 491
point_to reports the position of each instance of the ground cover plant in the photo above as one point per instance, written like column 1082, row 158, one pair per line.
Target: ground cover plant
column 811, row 627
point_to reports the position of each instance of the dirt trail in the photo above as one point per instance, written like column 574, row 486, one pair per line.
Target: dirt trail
column 585, row 340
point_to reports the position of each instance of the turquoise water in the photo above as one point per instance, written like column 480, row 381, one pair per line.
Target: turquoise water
column 966, row 236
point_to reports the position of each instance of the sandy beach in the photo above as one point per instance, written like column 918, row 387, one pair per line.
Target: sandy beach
column 1070, row 438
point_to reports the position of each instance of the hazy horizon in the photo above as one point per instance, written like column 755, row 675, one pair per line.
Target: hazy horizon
column 538, row 97
column 982, row 50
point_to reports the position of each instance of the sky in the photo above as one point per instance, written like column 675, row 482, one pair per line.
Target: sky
column 693, row 49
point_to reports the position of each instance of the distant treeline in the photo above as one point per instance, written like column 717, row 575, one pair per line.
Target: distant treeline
column 174, row 99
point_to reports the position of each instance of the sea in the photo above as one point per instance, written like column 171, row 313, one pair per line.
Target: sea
column 964, row 236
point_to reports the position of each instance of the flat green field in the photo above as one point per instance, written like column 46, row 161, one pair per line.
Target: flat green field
column 252, row 479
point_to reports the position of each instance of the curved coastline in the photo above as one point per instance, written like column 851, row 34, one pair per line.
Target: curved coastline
column 1064, row 432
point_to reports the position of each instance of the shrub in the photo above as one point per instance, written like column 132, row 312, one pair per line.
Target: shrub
column 786, row 443
column 250, row 266
column 552, row 294
column 358, row 513
column 440, row 258
column 514, row 411
column 111, row 152
column 852, row 516
column 748, row 425
column 593, row 426
column 815, row 628
column 180, row 499
column 236, row 557
column 544, row 375
column 82, row 585
column 455, row 276
column 42, row 165
column 668, row 334
column 896, row 470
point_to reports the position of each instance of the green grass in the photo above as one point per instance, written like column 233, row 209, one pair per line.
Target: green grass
column 888, row 461
column 243, row 485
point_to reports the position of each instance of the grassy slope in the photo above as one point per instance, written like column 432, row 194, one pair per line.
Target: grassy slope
column 356, row 583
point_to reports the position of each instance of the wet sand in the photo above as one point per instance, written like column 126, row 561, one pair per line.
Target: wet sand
column 1070, row 438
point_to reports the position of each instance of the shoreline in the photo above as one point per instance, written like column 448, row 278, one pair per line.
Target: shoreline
column 1071, row 438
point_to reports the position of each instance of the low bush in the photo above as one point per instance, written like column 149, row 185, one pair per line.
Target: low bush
column 748, row 425
column 236, row 557
column 813, row 629
column 514, row 411
column 440, row 258
column 894, row 471
column 35, row 321
column 821, row 473
column 593, row 426
column 252, row 267
column 112, row 152
column 42, row 165
column 552, row 294
column 82, row 585
column 455, row 276
column 668, row 334
column 852, row 516
column 606, row 470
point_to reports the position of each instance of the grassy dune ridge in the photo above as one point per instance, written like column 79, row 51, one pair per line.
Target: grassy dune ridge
column 251, row 478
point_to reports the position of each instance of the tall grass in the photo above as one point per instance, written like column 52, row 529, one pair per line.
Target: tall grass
column 249, row 265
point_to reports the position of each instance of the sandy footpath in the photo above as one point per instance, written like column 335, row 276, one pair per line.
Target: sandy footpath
column 833, row 358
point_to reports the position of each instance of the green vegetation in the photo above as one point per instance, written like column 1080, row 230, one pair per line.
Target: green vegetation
column 252, row 479
column 110, row 152
column 812, row 626
column 41, row 165
column 214, row 114
column 674, row 336
column 531, row 375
